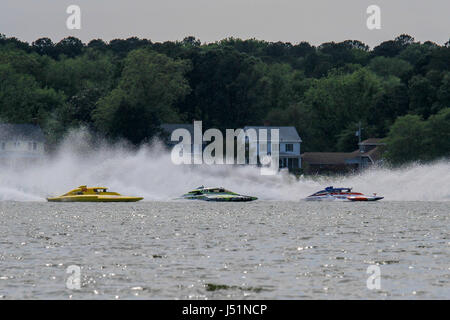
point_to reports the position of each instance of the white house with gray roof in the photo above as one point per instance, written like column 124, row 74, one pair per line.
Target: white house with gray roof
column 167, row 130
column 290, row 141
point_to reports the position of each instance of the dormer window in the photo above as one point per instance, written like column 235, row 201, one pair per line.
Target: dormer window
column 289, row 147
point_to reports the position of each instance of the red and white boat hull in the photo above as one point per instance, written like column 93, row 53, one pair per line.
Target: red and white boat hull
column 364, row 198
column 341, row 194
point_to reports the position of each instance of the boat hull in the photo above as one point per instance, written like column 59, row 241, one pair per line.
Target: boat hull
column 216, row 195
column 344, row 198
column 234, row 199
column 221, row 198
column 94, row 198
column 365, row 198
column 326, row 198
column 341, row 194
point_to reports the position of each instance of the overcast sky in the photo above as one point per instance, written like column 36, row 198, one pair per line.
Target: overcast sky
column 315, row 21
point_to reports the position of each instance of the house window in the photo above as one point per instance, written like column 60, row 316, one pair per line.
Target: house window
column 3, row 146
column 34, row 145
column 289, row 147
column 29, row 146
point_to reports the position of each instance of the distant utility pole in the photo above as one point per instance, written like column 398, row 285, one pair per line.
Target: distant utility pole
column 358, row 133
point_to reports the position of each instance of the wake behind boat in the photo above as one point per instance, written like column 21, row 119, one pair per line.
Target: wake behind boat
column 342, row 194
column 95, row 194
column 216, row 194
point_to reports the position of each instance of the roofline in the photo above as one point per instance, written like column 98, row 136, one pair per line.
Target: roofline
column 280, row 140
column 275, row 127
column 269, row 127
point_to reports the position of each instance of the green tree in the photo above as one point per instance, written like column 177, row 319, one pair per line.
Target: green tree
column 126, row 87
column 285, row 85
column 406, row 140
column 422, row 94
column 229, row 89
column 335, row 101
column 443, row 93
column 389, row 66
column 389, row 104
column 44, row 46
column 93, row 69
column 149, row 86
column 23, row 101
column 414, row 53
column 23, row 62
column 69, row 47
column 79, row 108
column 97, row 44
column 438, row 134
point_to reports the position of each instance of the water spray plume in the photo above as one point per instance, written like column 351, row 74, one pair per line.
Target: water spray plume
column 148, row 171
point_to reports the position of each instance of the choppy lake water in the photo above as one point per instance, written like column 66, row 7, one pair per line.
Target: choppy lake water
column 201, row 250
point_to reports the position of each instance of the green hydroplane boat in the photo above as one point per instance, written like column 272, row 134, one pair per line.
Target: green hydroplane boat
column 216, row 194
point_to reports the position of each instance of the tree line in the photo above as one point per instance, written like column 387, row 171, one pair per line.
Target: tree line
column 399, row 90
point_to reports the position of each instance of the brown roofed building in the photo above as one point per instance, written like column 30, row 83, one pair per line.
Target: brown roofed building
column 369, row 153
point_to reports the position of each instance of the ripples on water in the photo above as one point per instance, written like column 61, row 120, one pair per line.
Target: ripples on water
column 200, row 250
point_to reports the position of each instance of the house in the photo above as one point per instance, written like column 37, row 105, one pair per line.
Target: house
column 289, row 144
column 368, row 154
column 327, row 162
column 372, row 148
column 21, row 143
column 168, row 128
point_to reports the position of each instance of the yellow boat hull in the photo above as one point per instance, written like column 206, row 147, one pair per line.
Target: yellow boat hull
column 94, row 198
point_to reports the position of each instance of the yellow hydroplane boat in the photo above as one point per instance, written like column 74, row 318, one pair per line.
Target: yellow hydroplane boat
column 96, row 194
